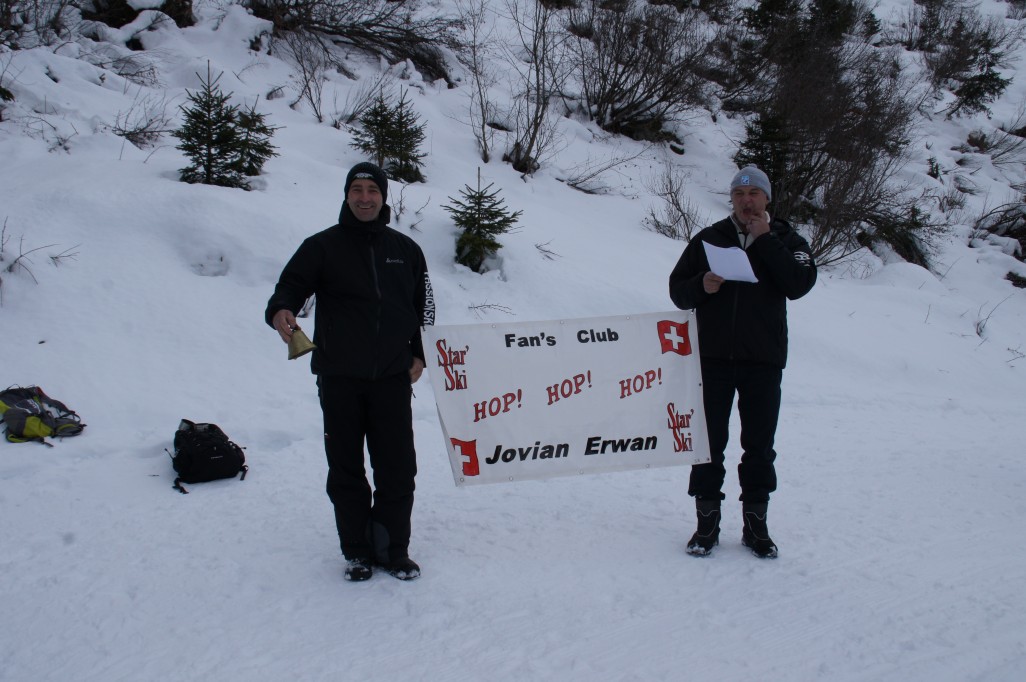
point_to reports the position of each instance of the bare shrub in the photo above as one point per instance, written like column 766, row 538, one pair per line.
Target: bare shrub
column 675, row 216
column 966, row 41
column 536, row 56
column 637, row 67
column 904, row 225
column 587, row 175
column 6, row 79
column 473, row 56
column 835, row 117
column 1006, row 221
column 20, row 262
column 1006, row 146
column 395, row 30
column 311, row 59
column 962, row 50
column 358, row 100
column 545, row 251
column 30, row 23
column 952, row 200
column 144, row 122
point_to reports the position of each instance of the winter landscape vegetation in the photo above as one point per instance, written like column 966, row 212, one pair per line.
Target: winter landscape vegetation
column 895, row 133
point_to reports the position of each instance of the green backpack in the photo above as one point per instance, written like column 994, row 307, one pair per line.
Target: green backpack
column 29, row 414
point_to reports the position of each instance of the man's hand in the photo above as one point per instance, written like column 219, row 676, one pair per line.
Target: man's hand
column 284, row 322
column 416, row 369
column 758, row 226
column 711, row 282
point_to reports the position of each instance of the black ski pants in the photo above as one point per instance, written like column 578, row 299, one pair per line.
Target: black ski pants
column 376, row 525
column 758, row 404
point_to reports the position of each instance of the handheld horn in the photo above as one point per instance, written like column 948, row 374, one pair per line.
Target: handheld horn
column 300, row 344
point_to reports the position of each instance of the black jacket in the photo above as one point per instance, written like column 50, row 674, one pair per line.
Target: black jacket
column 373, row 297
column 743, row 321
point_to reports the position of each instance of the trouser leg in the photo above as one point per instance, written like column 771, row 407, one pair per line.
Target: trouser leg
column 759, row 408
column 718, row 398
column 394, row 461
column 345, row 417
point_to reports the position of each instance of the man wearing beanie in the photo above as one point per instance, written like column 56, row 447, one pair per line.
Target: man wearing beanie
column 742, row 335
column 373, row 296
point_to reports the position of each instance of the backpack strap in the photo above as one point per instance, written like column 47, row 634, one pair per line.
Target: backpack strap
column 178, row 481
column 11, row 438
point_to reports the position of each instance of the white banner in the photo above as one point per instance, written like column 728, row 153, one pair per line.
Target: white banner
column 532, row 400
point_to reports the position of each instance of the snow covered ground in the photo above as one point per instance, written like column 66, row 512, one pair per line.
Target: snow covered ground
column 903, row 488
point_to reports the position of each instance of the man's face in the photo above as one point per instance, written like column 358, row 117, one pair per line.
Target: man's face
column 748, row 202
column 364, row 199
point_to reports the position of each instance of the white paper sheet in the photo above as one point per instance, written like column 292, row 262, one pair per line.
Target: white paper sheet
column 729, row 263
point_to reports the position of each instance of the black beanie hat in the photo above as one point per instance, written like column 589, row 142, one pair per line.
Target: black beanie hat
column 369, row 171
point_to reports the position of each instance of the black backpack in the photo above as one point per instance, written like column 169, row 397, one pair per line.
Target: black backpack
column 204, row 453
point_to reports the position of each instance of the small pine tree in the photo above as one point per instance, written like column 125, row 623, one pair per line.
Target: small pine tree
column 977, row 91
column 255, row 146
column 210, row 137
column 391, row 136
column 482, row 216
column 377, row 127
column 406, row 160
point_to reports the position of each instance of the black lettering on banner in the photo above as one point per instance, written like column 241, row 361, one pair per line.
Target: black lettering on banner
column 538, row 341
column 597, row 445
column 532, row 452
column 592, row 336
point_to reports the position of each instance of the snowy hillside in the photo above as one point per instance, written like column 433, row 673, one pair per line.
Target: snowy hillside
column 902, row 483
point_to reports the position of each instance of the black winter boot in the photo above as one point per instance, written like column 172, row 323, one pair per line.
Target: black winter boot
column 755, row 534
column 403, row 568
column 708, row 534
column 358, row 570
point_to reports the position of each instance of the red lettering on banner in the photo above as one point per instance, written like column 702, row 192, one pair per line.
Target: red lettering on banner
column 677, row 422
column 468, row 449
column 639, row 383
column 449, row 360
column 568, row 387
column 498, row 405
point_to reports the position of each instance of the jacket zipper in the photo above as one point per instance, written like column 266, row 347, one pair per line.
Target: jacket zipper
column 733, row 307
column 733, row 322
column 377, row 292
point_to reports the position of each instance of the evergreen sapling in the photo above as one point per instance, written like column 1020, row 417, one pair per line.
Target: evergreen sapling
column 391, row 137
column 210, row 137
column 374, row 135
column 482, row 216
column 407, row 160
column 255, row 146
column 224, row 144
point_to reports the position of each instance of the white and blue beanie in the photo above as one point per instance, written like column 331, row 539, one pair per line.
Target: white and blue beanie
column 750, row 176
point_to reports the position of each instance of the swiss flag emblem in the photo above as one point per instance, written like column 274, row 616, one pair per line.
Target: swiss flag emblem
column 674, row 338
column 468, row 450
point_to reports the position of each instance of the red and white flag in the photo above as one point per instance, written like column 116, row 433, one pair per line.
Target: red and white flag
column 673, row 337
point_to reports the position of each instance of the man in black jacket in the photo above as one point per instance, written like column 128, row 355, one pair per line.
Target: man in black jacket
column 742, row 338
column 373, row 296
